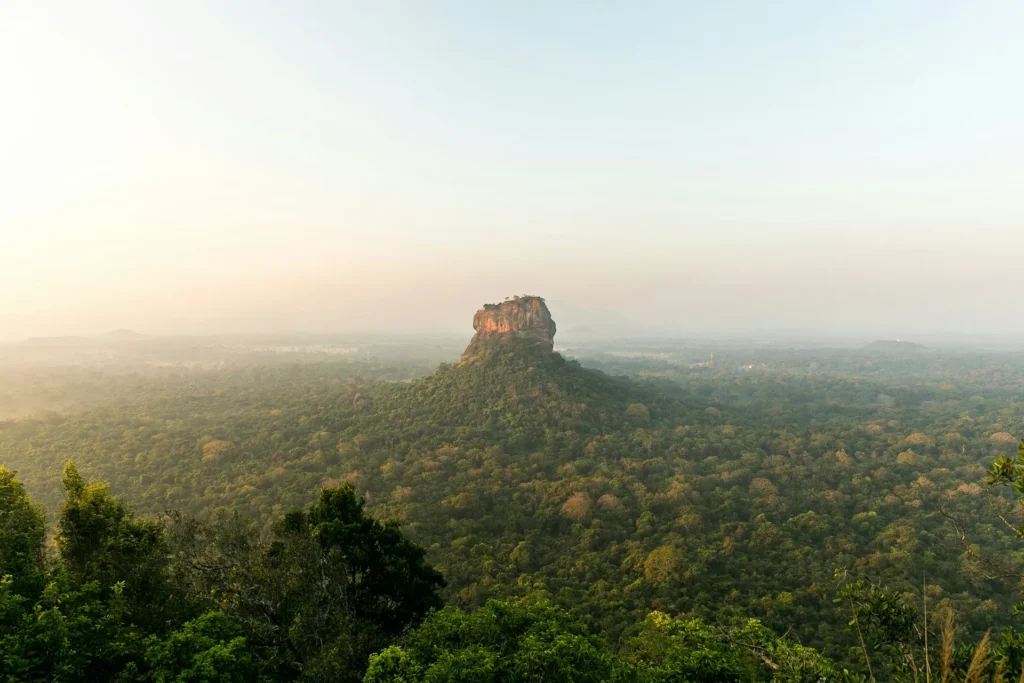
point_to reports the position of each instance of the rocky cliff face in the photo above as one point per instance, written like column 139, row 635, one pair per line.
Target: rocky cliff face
column 526, row 316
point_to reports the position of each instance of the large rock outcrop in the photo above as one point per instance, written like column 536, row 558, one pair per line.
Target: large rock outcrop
column 521, row 316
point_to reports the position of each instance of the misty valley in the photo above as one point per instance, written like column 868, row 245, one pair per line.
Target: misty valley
column 398, row 509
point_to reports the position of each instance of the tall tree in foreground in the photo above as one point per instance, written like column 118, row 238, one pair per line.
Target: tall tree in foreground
column 136, row 600
column 101, row 541
column 79, row 620
column 22, row 530
column 329, row 587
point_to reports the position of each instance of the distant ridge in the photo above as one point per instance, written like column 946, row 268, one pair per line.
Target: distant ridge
column 123, row 335
column 897, row 345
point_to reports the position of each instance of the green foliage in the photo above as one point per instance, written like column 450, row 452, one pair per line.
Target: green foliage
column 531, row 640
column 130, row 599
column 389, row 580
column 1002, row 659
column 101, row 541
column 520, row 472
column 1007, row 471
column 323, row 590
column 638, row 414
column 68, row 633
column 22, row 531
column 499, row 642
column 889, row 623
column 668, row 649
column 210, row 649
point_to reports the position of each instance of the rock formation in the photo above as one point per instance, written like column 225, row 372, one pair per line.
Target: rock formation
column 521, row 316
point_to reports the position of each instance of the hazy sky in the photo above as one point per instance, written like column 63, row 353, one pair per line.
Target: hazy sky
column 274, row 166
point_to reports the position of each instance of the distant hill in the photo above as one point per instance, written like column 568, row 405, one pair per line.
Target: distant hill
column 891, row 345
column 123, row 335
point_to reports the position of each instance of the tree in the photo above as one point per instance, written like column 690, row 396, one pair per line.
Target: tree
column 179, row 601
column 638, row 414
column 889, row 624
column 100, row 540
column 662, row 564
column 53, row 627
column 667, row 650
column 22, row 531
column 329, row 586
column 390, row 582
column 68, row 632
column 577, row 507
column 1009, row 471
column 210, row 649
column 503, row 641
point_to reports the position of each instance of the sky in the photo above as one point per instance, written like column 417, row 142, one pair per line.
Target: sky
column 735, row 166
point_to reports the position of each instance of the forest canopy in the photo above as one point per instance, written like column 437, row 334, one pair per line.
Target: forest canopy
column 759, row 487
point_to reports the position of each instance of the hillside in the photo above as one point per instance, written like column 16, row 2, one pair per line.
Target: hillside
column 895, row 346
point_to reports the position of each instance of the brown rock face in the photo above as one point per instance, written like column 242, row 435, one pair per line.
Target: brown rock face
column 522, row 316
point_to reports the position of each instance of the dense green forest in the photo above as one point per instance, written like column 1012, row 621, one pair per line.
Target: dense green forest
column 687, row 517
column 321, row 597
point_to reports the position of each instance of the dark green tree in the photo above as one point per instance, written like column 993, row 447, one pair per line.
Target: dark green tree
column 327, row 588
column 502, row 642
column 210, row 649
column 390, row 582
column 22, row 532
column 100, row 540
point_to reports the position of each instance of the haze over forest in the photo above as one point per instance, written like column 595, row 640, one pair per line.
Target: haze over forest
column 723, row 169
